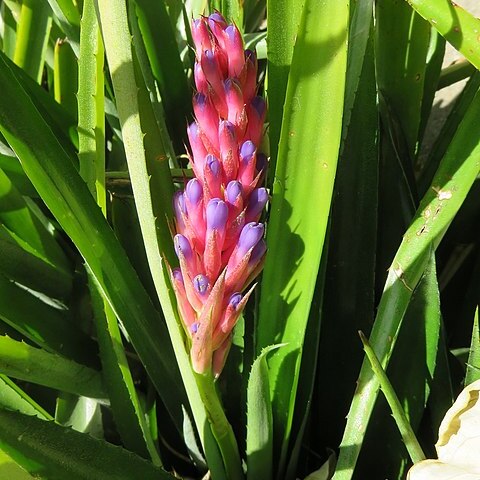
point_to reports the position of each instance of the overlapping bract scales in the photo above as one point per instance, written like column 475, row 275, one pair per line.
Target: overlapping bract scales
column 219, row 241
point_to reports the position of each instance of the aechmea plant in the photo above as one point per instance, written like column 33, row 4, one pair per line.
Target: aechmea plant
column 219, row 242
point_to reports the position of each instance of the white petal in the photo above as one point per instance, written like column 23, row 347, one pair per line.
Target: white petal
column 436, row 470
column 459, row 434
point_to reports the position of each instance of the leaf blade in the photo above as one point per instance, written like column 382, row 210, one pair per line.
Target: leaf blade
column 296, row 234
column 55, row 452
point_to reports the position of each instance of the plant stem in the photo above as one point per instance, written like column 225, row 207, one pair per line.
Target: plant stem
column 221, row 428
column 413, row 447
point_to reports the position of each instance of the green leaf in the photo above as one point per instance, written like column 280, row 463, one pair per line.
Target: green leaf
column 9, row 469
column 127, row 229
column 91, row 115
column 308, row 373
column 253, row 14
column 83, row 414
column 50, row 451
column 157, row 137
column 455, row 72
column 62, row 124
column 433, row 70
column 448, row 131
column 43, row 324
column 358, row 35
column 302, row 193
column 14, row 398
column 453, row 180
column 67, row 17
column 24, row 267
column 67, row 196
column 411, row 442
column 352, row 256
column 32, row 36
column 23, row 362
column 9, row 30
column 11, row 167
column 410, row 370
column 158, row 154
column 232, row 10
column 401, row 76
column 441, row 395
column 259, row 419
column 162, row 50
column 20, row 220
column 65, row 76
column 128, row 414
column 459, row 27
column 473, row 365
column 283, row 18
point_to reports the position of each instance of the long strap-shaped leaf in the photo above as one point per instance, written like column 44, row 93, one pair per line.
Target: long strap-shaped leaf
column 127, row 412
column 453, row 180
column 66, row 195
column 57, row 453
column 68, row 18
column 12, row 397
column 113, row 19
column 283, row 17
column 459, row 27
column 43, row 324
column 302, row 192
column 32, row 37
column 21, row 361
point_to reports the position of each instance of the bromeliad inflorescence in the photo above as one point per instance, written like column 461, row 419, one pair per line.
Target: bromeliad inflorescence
column 219, row 241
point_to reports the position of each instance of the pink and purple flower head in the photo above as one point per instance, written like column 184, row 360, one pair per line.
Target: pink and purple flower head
column 219, row 242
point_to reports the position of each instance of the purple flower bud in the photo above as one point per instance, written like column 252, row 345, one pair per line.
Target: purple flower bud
column 194, row 327
column 179, row 203
column 258, row 199
column 235, row 299
column 258, row 103
column 232, row 32
column 251, row 234
column 177, row 275
column 247, row 150
column 200, row 283
column 233, row 45
column 182, row 246
column 229, row 127
column 211, row 69
column 193, row 131
column 199, row 99
column 210, row 56
column 193, row 191
column 233, row 191
column 258, row 252
column 230, row 83
column 217, row 214
column 216, row 20
column 211, row 161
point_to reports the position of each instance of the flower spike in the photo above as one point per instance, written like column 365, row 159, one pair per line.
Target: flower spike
column 219, row 242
